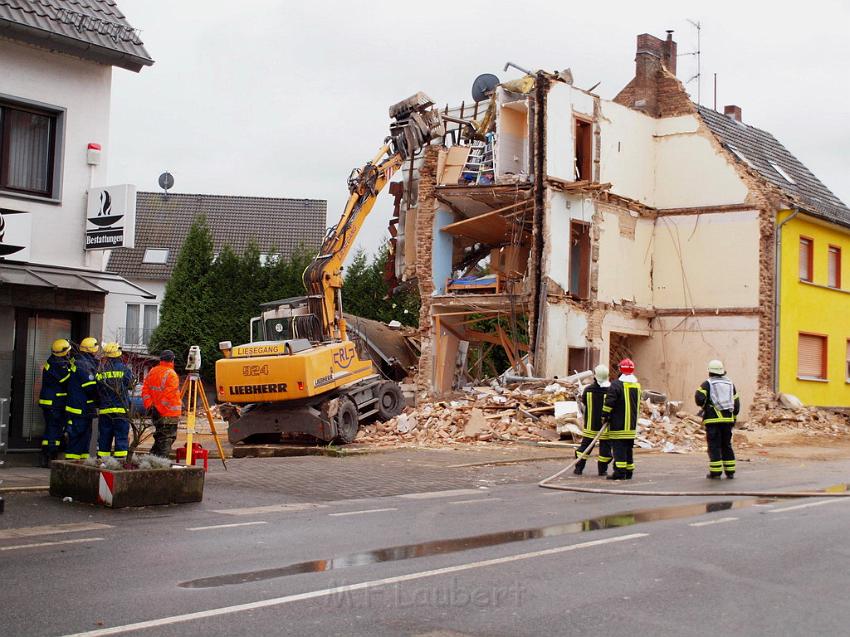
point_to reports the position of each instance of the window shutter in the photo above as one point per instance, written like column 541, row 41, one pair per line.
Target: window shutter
column 847, row 359
column 805, row 250
column 834, row 267
column 810, row 356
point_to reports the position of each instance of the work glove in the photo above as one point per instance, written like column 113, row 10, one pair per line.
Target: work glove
column 153, row 413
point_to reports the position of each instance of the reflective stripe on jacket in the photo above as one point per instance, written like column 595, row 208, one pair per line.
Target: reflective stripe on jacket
column 54, row 382
column 622, row 407
column 711, row 414
column 114, row 380
column 82, row 386
column 161, row 390
column 593, row 400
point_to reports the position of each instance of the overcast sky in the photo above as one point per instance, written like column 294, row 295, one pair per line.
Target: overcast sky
column 284, row 98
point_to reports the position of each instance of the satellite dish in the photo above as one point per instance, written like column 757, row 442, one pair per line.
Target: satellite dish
column 483, row 86
column 166, row 181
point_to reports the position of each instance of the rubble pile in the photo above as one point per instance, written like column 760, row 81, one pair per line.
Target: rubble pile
column 532, row 411
column 522, row 411
column 666, row 426
column 787, row 412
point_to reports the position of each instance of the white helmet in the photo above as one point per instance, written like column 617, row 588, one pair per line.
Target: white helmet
column 716, row 367
column 600, row 373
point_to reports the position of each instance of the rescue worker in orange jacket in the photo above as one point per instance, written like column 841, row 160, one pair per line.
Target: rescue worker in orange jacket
column 161, row 397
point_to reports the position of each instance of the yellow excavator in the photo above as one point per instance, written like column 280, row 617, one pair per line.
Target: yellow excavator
column 300, row 372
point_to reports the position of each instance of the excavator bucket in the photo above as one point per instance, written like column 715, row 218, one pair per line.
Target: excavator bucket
column 416, row 124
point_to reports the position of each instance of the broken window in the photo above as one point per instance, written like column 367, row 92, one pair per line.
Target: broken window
column 834, row 280
column 807, row 250
column 580, row 359
column 579, row 259
column 584, row 150
column 811, row 356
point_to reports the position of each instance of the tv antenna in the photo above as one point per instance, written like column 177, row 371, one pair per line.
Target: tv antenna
column 698, row 75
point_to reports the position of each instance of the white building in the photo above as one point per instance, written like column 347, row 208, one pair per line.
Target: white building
column 56, row 64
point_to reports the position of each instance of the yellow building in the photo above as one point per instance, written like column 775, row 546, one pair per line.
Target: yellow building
column 814, row 310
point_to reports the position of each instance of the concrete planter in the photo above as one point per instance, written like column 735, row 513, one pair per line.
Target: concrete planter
column 126, row 488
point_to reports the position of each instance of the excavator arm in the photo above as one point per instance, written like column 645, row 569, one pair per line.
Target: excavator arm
column 415, row 124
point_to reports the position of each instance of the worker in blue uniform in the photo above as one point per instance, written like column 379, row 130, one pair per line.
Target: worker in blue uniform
column 51, row 398
column 114, row 382
column 81, row 406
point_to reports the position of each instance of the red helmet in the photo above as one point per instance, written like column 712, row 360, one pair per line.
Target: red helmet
column 627, row 366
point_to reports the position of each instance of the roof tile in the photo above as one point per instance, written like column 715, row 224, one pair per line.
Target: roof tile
column 762, row 151
column 88, row 28
column 163, row 221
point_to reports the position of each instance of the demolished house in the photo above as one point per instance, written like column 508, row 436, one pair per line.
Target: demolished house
column 563, row 230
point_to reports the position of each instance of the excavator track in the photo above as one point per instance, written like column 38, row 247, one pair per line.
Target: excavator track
column 331, row 417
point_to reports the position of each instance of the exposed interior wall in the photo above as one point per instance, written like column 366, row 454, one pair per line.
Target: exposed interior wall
column 690, row 169
column 442, row 250
column 706, row 260
column 563, row 103
column 675, row 357
column 566, row 327
column 627, row 152
column 625, row 256
column 511, row 151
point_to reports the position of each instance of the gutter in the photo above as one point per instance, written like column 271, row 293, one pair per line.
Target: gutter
column 777, row 289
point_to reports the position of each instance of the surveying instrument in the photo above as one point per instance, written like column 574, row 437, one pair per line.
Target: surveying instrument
column 193, row 390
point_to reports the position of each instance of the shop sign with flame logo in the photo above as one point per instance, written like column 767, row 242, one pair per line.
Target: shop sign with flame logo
column 111, row 217
column 11, row 235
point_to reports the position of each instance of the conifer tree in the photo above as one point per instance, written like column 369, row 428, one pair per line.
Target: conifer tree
column 184, row 315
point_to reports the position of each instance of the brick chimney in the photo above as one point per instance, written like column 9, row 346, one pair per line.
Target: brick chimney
column 734, row 112
column 652, row 54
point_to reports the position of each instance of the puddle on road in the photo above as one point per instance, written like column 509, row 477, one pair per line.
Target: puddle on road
column 442, row 547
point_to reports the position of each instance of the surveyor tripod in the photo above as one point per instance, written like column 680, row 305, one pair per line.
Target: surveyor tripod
column 193, row 391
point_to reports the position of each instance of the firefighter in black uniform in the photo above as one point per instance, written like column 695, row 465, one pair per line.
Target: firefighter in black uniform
column 622, row 406
column 592, row 402
column 720, row 406
column 54, row 391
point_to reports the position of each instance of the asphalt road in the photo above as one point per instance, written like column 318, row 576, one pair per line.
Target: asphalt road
column 505, row 559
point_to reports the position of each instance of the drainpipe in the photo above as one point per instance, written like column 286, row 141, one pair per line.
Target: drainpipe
column 777, row 289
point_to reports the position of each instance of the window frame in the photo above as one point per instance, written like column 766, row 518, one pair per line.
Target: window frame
column 56, row 151
column 583, row 148
column 811, row 260
column 824, row 363
column 833, row 249
column 145, row 261
column 847, row 361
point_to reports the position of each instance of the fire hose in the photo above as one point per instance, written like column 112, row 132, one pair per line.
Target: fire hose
column 545, row 483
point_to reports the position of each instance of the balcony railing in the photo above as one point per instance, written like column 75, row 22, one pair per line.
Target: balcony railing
column 136, row 338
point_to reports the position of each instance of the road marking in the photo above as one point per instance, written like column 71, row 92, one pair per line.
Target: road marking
column 440, row 494
column 336, row 590
column 709, row 522
column 272, row 508
column 57, row 543
column 51, row 529
column 807, row 505
column 484, row 499
column 223, row 526
column 362, row 512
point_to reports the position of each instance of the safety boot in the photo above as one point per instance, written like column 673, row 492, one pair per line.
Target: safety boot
column 714, row 476
column 579, row 468
column 616, row 476
column 730, row 476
